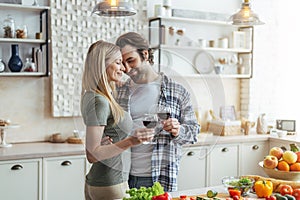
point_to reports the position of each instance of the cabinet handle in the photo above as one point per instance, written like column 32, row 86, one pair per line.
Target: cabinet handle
column 255, row 147
column 66, row 163
column 16, row 167
column 283, row 148
column 191, row 153
column 225, row 149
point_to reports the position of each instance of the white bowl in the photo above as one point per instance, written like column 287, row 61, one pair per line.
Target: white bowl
column 283, row 175
column 281, row 133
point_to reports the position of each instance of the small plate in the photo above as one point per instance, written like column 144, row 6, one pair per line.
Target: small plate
column 204, row 62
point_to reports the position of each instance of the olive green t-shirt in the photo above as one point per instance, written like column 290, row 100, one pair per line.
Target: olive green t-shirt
column 96, row 111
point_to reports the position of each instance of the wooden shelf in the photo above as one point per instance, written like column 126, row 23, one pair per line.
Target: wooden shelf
column 19, row 40
column 190, row 20
column 8, row 6
column 24, row 74
column 234, row 50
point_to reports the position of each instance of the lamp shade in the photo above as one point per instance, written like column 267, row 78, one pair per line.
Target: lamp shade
column 114, row 8
column 245, row 16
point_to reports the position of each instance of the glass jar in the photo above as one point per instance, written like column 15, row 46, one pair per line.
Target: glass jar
column 21, row 32
column 29, row 66
column 9, row 27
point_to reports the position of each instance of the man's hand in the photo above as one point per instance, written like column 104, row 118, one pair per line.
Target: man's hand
column 172, row 126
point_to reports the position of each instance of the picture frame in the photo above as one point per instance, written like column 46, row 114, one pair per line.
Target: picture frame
column 239, row 39
column 227, row 113
column 287, row 125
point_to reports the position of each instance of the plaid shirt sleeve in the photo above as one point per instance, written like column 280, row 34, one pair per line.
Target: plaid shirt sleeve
column 167, row 152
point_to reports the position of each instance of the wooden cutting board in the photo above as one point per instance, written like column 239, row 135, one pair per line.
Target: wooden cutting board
column 220, row 196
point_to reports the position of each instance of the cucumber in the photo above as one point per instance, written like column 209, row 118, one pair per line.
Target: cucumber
column 211, row 193
column 280, row 197
column 290, row 197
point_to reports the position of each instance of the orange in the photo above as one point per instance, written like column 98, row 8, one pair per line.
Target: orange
column 295, row 167
column 283, row 166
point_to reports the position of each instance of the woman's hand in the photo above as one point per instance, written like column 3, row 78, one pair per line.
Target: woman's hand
column 142, row 135
column 172, row 126
column 106, row 140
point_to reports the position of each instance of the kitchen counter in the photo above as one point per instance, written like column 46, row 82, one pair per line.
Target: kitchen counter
column 40, row 149
column 47, row 149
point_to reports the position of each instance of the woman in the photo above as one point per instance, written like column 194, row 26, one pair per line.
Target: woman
column 103, row 117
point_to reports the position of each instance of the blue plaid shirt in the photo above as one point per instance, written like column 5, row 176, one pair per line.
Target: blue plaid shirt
column 167, row 149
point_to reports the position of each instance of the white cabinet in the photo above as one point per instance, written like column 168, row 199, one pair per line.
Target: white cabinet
column 179, row 50
column 252, row 153
column 192, row 173
column 21, row 179
column 284, row 144
column 223, row 161
column 64, row 178
column 36, row 18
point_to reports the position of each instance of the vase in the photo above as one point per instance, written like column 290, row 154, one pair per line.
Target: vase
column 15, row 63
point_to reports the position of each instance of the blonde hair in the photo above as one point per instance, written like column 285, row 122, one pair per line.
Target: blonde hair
column 99, row 56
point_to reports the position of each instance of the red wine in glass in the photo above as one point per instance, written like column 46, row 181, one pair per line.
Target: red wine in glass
column 164, row 115
column 149, row 124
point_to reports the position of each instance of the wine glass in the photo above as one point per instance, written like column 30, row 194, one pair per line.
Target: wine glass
column 163, row 112
column 150, row 121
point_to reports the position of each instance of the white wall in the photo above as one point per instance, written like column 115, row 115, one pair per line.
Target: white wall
column 275, row 80
column 27, row 100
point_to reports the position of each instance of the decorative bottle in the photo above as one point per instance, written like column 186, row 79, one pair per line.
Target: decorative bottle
column 2, row 66
column 15, row 63
column 29, row 66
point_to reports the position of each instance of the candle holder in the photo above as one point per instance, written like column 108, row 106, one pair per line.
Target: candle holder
column 3, row 134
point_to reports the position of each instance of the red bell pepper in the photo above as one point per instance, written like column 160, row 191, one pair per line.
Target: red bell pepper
column 165, row 196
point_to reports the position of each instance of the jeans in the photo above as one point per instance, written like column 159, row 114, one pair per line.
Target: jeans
column 138, row 181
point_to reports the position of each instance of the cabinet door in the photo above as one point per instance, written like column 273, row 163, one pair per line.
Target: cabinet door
column 192, row 172
column 20, row 179
column 252, row 154
column 223, row 162
column 64, row 178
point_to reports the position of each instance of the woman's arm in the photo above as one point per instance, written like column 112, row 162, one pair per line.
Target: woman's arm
column 96, row 151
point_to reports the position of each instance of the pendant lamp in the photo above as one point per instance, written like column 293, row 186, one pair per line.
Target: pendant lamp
column 114, row 8
column 245, row 16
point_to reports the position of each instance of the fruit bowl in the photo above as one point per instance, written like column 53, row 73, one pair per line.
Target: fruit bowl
column 243, row 184
column 283, row 175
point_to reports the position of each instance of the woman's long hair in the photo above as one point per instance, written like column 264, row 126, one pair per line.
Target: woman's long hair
column 99, row 56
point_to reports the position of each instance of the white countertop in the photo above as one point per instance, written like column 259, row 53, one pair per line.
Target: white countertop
column 47, row 149
column 40, row 149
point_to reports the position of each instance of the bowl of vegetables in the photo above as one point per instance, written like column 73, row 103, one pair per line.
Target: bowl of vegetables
column 242, row 184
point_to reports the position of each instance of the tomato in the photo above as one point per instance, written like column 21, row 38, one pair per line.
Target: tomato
column 233, row 192
column 286, row 189
column 235, row 197
column 165, row 196
column 272, row 197
column 193, row 198
column 183, row 197
column 296, row 193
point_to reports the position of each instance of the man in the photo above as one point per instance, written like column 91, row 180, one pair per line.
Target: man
column 144, row 93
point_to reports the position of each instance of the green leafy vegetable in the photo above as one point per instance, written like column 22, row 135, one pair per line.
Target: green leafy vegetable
column 145, row 193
